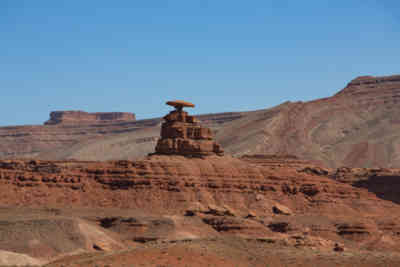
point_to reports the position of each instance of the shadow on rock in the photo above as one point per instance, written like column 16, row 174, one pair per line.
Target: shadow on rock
column 386, row 187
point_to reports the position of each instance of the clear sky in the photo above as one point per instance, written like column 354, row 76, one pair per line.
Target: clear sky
column 223, row 55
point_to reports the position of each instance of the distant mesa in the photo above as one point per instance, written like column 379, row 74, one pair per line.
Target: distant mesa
column 82, row 117
column 182, row 134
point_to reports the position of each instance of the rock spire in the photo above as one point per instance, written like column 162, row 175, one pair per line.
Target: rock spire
column 182, row 134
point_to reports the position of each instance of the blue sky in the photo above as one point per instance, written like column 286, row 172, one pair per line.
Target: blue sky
column 101, row 55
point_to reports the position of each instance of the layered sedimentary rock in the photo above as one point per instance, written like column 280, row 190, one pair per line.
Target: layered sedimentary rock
column 182, row 134
column 82, row 117
column 367, row 86
column 385, row 183
column 280, row 161
column 231, row 195
column 358, row 127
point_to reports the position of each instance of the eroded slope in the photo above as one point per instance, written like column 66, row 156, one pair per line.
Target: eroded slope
column 230, row 195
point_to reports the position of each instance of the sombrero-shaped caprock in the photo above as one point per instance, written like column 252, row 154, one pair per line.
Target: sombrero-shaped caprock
column 179, row 104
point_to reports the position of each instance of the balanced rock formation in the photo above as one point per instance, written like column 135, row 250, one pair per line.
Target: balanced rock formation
column 79, row 117
column 182, row 134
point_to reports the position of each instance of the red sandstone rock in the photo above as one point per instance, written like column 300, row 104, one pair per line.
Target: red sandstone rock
column 79, row 117
column 224, row 186
column 182, row 134
column 179, row 104
column 338, row 248
column 281, row 209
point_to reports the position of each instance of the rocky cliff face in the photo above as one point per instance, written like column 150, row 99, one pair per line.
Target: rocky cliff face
column 81, row 117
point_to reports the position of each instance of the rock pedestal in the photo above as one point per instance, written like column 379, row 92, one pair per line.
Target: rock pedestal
column 182, row 134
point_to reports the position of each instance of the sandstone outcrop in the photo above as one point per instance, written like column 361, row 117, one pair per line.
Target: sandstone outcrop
column 182, row 134
column 82, row 117
column 218, row 191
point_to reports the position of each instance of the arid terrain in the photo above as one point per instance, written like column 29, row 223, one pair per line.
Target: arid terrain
column 213, row 211
column 357, row 127
column 301, row 184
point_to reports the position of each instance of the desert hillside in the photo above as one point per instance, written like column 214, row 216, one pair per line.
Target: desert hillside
column 357, row 127
column 190, row 203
